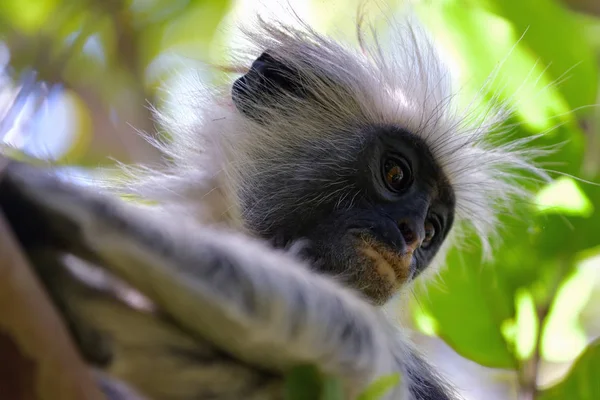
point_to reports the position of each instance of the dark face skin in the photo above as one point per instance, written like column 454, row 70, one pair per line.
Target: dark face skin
column 392, row 210
column 391, row 233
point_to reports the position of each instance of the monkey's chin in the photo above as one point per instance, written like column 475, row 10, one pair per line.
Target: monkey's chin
column 392, row 267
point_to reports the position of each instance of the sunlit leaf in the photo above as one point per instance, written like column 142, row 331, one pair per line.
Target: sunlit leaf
column 582, row 382
column 564, row 196
column 522, row 331
column 487, row 53
column 425, row 322
column 27, row 16
column 563, row 337
column 82, row 127
column 185, row 30
column 165, row 45
column 555, row 37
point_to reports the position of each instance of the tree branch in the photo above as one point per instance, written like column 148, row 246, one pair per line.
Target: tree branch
column 37, row 358
column 591, row 7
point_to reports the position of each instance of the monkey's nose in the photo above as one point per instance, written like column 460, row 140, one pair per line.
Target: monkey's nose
column 413, row 233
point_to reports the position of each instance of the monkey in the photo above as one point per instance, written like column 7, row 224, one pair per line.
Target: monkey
column 308, row 193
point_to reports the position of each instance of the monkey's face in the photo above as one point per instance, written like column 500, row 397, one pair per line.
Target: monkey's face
column 374, row 217
column 391, row 213
column 369, row 200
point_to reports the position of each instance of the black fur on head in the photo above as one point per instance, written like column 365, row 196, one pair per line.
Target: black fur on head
column 263, row 83
column 373, row 207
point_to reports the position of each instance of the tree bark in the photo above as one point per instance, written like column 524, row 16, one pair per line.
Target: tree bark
column 591, row 7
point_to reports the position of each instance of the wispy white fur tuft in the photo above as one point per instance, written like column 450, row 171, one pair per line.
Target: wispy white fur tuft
column 399, row 81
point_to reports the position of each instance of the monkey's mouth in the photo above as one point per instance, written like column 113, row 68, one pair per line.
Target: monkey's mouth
column 391, row 265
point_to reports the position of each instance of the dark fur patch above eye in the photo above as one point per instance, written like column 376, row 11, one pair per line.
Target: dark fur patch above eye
column 260, row 86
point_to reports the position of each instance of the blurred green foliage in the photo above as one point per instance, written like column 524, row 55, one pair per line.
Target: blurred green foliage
column 521, row 311
column 511, row 314
column 582, row 382
column 307, row 383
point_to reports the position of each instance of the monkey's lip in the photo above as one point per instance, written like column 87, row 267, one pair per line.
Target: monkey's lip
column 391, row 265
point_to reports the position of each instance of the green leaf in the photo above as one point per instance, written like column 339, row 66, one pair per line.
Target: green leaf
column 469, row 305
column 534, row 38
column 487, row 314
column 564, row 337
column 521, row 332
column 185, row 30
column 558, row 40
column 582, row 382
column 332, row 389
column 183, row 35
column 303, row 383
column 486, row 55
column 564, row 196
column 307, row 383
column 380, row 387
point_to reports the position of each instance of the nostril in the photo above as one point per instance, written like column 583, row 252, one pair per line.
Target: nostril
column 407, row 233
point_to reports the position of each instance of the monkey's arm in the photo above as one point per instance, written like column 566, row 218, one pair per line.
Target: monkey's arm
column 260, row 305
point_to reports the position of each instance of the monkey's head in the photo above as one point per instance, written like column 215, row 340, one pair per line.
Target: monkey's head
column 356, row 153
column 362, row 189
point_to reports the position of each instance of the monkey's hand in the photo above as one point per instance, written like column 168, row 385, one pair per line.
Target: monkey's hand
column 257, row 304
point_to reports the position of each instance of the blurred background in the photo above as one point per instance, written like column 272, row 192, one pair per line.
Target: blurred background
column 77, row 79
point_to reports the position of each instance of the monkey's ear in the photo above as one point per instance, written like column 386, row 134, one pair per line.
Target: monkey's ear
column 267, row 80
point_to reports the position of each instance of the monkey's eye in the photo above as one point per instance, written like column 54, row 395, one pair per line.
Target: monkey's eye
column 396, row 174
column 429, row 234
